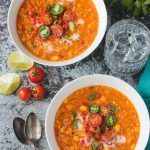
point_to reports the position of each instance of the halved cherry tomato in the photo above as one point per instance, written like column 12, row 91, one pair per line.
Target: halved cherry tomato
column 109, row 137
column 65, row 26
column 36, row 75
column 70, row 15
column 92, row 129
column 60, row 20
column 97, row 136
column 57, row 30
column 46, row 19
column 95, row 120
column 82, row 142
column 38, row 92
column 25, row 94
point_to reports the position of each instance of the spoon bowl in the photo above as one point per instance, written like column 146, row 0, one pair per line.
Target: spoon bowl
column 19, row 129
column 33, row 128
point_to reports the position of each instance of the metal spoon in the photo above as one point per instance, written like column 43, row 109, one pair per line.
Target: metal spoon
column 33, row 129
column 19, row 129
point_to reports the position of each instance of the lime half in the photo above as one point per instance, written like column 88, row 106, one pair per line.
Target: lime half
column 17, row 61
column 9, row 83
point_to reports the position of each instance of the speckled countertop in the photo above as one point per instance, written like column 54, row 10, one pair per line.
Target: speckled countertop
column 10, row 107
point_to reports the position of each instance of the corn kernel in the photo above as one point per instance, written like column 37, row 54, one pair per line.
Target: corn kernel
column 54, row 58
column 128, row 140
column 103, row 98
column 106, row 148
column 133, row 146
column 65, row 101
column 136, row 129
column 78, row 5
column 69, row 107
column 76, row 138
column 117, row 128
column 71, row 148
column 62, row 130
column 83, row 108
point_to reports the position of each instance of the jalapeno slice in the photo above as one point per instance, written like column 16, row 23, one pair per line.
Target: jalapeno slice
column 44, row 31
column 94, row 108
column 57, row 9
column 111, row 120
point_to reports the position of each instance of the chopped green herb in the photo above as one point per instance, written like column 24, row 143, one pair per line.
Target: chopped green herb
column 112, row 108
column 92, row 97
column 56, row 22
column 74, row 114
column 55, row 17
column 94, row 147
column 69, row 6
column 75, row 123
column 48, row 8
column 35, row 14
column 103, row 128
column 97, row 131
column 66, row 36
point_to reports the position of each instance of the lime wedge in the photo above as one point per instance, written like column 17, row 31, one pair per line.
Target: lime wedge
column 17, row 61
column 9, row 83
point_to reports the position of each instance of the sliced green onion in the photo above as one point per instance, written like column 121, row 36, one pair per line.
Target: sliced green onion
column 57, row 9
column 72, row 26
column 94, row 108
column 92, row 97
column 44, row 31
column 111, row 120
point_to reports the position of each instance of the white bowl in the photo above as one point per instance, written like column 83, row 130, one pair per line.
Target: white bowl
column 106, row 80
column 12, row 16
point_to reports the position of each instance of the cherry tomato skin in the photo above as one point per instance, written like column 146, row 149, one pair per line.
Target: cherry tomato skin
column 65, row 26
column 38, row 92
column 97, row 136
column 95, row 120
column 70, row 15
column 36, row 75
column 109, row 137
column 57, row 30
column 91, row 129
column 60, row 18
column 25, row 94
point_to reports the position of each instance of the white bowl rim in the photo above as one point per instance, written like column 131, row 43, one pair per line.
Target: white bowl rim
column 15, row 38
column 144, row 115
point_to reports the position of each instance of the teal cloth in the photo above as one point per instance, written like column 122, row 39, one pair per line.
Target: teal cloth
column 144, row 89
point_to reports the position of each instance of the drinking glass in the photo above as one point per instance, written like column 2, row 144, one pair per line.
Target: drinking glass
column 127, row 47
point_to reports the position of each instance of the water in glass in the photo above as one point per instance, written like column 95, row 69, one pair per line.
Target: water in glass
column 127, row 47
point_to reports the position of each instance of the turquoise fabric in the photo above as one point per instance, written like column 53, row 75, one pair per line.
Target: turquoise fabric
column 144, row 89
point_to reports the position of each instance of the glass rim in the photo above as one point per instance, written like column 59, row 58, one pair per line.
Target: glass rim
column 137, row 22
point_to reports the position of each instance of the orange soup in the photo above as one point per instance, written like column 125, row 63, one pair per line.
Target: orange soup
column 57, row 30
column 97, row 118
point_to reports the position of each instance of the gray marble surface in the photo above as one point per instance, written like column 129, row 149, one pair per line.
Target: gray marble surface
column 11, row 107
